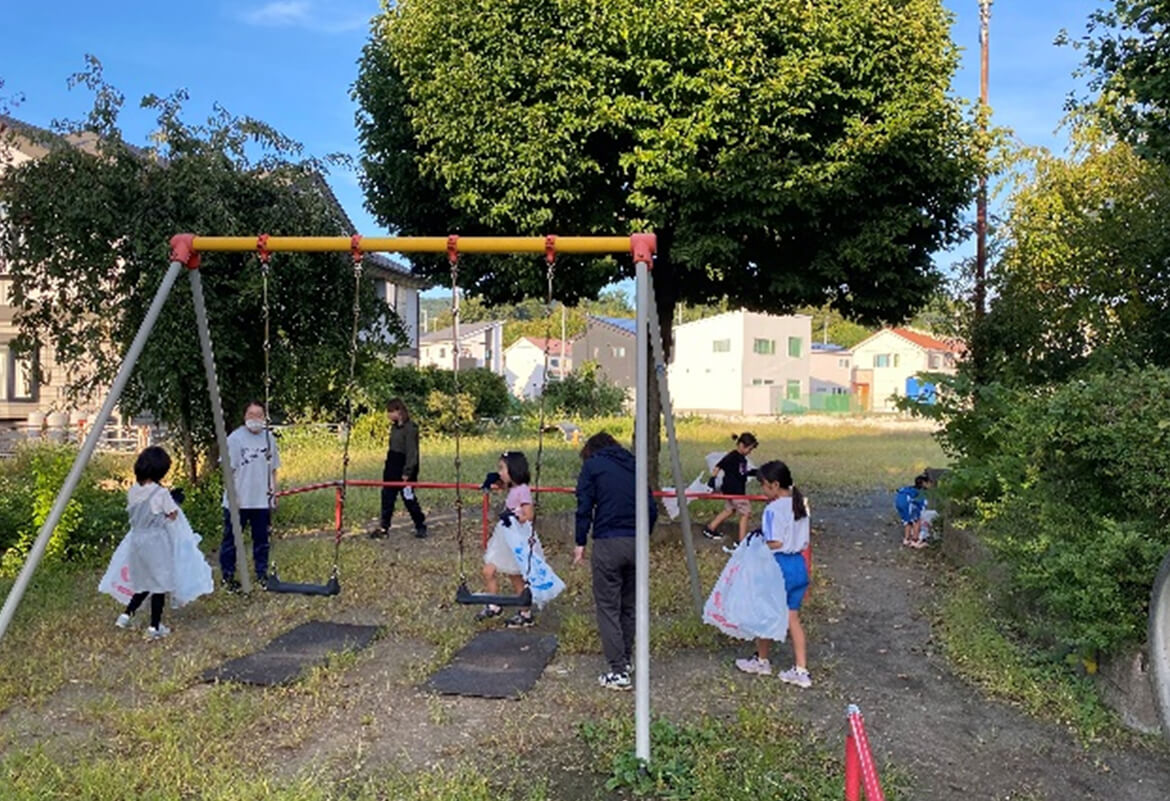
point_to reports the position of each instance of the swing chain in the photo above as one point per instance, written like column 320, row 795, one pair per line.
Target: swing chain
column 453, row 258
column 265, row 274
column 550, row 255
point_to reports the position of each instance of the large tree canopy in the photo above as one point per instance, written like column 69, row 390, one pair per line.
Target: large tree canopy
column 1082, row 280
column 786, row 153
column 1128, row 55
column 85, row 239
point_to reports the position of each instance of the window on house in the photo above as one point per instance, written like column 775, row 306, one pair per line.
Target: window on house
column 881, row 360
column 793, row 389
column 935, row 361
column 897, row 359
column 5, row 292
column 597, row 353
column 794, row 347
column 23, row 387
column 757, row 382
column 442, row 353
column 618, row 351
column 842, row 362
column 721, row 346
column 764, row 347
column 554, row 362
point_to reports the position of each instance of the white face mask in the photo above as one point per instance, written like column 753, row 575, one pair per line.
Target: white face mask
column 255, row 426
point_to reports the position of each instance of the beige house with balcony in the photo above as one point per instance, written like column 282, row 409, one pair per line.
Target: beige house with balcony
column 741, row 362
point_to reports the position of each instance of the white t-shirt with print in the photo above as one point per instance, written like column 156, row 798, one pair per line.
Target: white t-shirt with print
column 250, row 465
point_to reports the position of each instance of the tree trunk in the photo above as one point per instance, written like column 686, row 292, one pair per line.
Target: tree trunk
column 189, row 458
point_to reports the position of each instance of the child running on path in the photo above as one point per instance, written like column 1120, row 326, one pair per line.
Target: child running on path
column 160, row 554
column 786, row 530
column 730, row 478
column 513, row 476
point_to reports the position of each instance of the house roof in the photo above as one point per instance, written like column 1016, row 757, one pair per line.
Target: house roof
column 466, row 332
column 556, row 347
column 626, row 325
column 919, row 339
column 828, row 347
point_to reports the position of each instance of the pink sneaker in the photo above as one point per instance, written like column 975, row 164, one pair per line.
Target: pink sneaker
column 755, row 665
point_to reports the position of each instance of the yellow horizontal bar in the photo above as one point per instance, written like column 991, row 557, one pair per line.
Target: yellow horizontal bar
column 413, row 244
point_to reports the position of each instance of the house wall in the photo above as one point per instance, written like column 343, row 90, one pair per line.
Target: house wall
column 830, row 371
column 611, row 348
column 482, row 349
column 905, row 360
column 703, row 378
column 788, row 373
column 717, row 367
column 524, row 368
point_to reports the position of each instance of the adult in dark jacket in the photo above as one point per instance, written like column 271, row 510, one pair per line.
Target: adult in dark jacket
column 401, row 465
column 607, row 503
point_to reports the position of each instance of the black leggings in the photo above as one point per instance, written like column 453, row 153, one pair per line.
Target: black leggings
column 156, row 606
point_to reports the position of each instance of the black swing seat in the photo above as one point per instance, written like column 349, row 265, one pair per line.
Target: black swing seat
column 331, row 587
column 466, row 597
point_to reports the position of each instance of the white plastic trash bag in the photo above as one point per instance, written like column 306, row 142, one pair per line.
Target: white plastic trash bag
column 749, row 599
column 542, row 580
column 670, row 501
column 192, row 573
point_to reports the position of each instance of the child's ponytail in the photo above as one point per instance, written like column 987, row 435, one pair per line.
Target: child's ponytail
column 799, row 509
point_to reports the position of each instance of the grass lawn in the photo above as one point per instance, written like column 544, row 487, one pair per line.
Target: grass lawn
column 92, row 712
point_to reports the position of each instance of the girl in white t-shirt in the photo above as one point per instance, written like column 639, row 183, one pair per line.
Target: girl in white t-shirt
column 498, row 557
column 786, row 530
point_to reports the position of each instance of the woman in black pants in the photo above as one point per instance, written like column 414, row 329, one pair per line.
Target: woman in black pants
column 401, row 465
column 606, row 503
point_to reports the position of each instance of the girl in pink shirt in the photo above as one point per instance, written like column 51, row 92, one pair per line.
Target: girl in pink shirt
column 498, row 557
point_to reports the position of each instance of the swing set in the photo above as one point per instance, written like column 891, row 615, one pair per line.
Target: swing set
column 185, row 253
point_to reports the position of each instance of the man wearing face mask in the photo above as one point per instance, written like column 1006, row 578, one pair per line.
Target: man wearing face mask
column 254, row 460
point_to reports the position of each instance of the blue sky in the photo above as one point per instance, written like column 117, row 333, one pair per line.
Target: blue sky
column 291, row 63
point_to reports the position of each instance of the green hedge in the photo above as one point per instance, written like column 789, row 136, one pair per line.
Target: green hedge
column 1071, row 487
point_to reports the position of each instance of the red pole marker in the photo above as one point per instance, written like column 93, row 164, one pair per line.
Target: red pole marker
column 852, row 770
column 337, row 508
column 869, row 776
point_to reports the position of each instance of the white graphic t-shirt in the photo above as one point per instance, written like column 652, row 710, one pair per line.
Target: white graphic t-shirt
column 250, row 465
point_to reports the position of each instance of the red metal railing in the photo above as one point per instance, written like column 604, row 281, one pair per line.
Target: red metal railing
column 486, row 509
column 860, row 772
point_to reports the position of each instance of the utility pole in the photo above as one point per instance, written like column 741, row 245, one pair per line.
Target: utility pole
column 564, row 344
column 981, row 199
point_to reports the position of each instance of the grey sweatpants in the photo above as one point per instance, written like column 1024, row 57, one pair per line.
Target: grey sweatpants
column 613, row 594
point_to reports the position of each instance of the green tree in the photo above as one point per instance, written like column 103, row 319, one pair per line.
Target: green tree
column 785, row 153
column 85, row 238
column 1127, row 53
column 1081, row 280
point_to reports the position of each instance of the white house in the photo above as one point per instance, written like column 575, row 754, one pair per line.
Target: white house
column 524, row 364
column 480, row 345
column 889, row 365
column 741, row 362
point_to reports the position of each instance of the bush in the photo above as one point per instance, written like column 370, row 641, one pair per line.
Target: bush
column 94, row 519
column 584, row 393
column 1069, row 485
column 382, row 381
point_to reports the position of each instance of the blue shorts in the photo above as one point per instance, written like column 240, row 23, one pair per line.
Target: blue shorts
column 908, row 509
column 795, row 576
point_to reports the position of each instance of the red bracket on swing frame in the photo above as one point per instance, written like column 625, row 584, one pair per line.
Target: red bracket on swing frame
column 643, row 247
column 453, row 248
column 355, row 248
column 262, row 248
column 550, row 248
column 183, row 251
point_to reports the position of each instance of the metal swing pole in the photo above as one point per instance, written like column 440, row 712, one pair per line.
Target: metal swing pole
column 672, row 446
column 87, row 449
column 642, row 247
column 225, row 458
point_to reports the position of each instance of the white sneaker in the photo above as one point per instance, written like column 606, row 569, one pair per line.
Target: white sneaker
column 755, row 665
column 615, row 681
column 124, row 621
column 797, row 676
column 157, row 634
